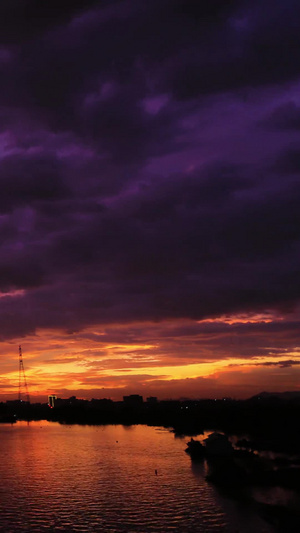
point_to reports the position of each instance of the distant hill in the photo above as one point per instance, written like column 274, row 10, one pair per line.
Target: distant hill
column 288, row 395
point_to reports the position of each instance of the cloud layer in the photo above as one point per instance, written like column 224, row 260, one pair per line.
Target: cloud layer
column 149, row 163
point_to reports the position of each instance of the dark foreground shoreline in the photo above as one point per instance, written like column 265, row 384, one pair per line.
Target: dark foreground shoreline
column 270, row 424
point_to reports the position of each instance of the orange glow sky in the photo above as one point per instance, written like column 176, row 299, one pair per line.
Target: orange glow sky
column 231, row 356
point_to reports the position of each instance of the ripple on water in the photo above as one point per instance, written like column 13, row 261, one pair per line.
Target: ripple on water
column 61, row 478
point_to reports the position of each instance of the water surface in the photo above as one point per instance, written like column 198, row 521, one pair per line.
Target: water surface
column 91, row 478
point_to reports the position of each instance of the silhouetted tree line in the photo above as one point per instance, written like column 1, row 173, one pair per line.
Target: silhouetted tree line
column 269, row 423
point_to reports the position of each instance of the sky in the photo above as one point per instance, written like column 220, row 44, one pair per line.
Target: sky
column 149, row 207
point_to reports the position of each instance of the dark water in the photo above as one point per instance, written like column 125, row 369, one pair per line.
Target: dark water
column 81, row 478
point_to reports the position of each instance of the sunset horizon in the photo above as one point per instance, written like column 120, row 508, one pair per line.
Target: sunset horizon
column 153, row 367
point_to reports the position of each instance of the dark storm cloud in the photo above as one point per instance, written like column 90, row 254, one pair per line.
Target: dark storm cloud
column 131, row 189
column 174, row 250
column 289, row 162
column 257, row 45
column 186, row 260
column 281, row 364
column 28, row 178
column 178, row 47
column 284, row 117
column 22, row 19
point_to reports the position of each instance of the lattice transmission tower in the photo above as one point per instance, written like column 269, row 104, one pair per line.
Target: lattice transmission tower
column 23, row 388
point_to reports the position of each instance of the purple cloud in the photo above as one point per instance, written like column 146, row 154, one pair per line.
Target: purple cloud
column 148, row 161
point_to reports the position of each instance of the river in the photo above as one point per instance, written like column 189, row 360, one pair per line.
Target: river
column 102, row 478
